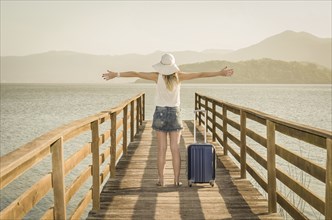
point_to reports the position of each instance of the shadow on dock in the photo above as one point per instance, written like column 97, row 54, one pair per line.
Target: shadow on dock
column 133, row 193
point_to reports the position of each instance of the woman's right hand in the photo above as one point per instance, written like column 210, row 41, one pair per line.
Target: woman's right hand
column 109, row 75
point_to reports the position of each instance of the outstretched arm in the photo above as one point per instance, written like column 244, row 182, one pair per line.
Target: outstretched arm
column 188, row 75
column 143, row 75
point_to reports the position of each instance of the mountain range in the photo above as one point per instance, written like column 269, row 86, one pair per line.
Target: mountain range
column 263, row 71
column 73, row 67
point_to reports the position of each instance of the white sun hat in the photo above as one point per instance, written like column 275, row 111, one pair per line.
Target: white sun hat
column 167, row 65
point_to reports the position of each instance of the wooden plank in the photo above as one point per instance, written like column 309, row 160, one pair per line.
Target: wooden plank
column 143, row 106
column 113, row 144
column 24, row 203
column 119, row 123
column 119, row 137
column 328, row 186
column 232, row 108
column 300, row 127
column 309, row 167
column 234, row 139
column 302, row 135
column 132, row 120
column 290, row 208
column 82, row 206
column 208, row 108
column 125, row 129
column 219, row 126
column 118, row 112
column 95, row 165
column 119, row 153
column 224, row 130
column 104, row 155
column 301, row 191
column 77, row 183
column 271, row 167
column 234, row 124
column 258, row 158
column 104, row 174
column 220, row 141
column 259, row 179
column 256, row 137
column 231, row 150
column 104, row 137
column 138, row 110
column 104, row 118
column 218, row 115
column 49, row 214
column 76, row 132
column 243, row 152
column 58, row 180
column 209, row 128
column 256, row 118
column 132, row 193
column 7, row 178
column 76, row 158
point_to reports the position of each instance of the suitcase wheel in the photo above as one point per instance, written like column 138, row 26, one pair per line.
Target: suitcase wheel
column 212, row 183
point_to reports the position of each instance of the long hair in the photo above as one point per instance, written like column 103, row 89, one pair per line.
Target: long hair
column 171, row 81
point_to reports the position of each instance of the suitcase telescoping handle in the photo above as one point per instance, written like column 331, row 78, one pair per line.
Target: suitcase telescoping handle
column 195, row 112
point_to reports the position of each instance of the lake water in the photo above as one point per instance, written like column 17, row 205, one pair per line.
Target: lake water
column 30, row 110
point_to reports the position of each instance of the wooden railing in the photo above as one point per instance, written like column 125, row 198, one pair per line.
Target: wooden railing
column 124, row 120
column 234, row 135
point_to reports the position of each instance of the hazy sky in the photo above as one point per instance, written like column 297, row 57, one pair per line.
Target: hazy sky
column 119, row 27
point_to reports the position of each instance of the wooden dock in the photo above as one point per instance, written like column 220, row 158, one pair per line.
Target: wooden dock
column 133, row 193
column 122, row 134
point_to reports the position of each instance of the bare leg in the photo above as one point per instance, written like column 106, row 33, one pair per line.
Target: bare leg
column 176, row 157
column 161, row 158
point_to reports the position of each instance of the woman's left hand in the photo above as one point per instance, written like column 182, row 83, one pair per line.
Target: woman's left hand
column 109, row 75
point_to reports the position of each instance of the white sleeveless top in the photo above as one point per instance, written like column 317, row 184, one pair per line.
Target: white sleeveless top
column 164, row 97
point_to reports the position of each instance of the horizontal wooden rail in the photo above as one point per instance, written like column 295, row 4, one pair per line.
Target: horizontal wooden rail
column 125, row 118
column 217, row 110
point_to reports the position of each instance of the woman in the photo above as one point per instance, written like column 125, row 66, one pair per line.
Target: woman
column 166, row 118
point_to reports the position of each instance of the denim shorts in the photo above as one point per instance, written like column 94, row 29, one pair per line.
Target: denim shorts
column 167, row 119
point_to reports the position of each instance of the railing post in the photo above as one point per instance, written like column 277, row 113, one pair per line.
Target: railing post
column 132, row 118
column 271, row 167
column 95, row 166
column 243, row 152
column 199, row 113
column 213, row 121
column 113, row 143
column 143, row 107
column 58, row 179
column 224, row 127
column 138, row 111
column 328, row 182
column 206, row 113
column 125, row 130
column 196, row 104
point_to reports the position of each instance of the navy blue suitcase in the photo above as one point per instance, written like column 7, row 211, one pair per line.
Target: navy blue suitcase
column 201, row 160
